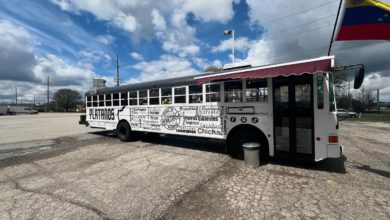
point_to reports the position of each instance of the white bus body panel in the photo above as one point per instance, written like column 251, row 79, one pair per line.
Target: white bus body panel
column 210, row 120
column 324, row 125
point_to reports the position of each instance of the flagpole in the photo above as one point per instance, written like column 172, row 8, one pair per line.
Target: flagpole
column 334, row 28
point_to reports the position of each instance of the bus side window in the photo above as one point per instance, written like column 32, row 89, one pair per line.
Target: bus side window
column 108, row 100
column 115, row 99
column 320, row 92
column 124, row 99
column 154, row 96
column 256, row 90
column 166, row 96
column 89, row 101
column 180, row 95
column 233, row 91
column 94, row 101
column 101, row 100
column 213, row 92
column 133, row 98
column 143, row 97
column 195, row 94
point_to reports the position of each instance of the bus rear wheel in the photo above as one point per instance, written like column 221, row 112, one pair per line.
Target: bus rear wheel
column 238, row 138
column 123, row 131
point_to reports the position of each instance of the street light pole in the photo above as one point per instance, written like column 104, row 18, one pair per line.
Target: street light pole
column 231, row 32
column 233, row 44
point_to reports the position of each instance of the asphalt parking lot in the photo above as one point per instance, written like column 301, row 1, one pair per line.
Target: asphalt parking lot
column 95, row 176
column 43, row 126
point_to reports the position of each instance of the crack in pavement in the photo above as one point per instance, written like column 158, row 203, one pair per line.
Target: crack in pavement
column 215, row 174
column 57, row 197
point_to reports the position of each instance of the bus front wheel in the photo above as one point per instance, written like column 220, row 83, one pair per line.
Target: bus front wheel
column 123, row 131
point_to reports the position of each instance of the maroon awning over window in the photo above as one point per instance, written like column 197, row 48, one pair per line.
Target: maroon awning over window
column 296, row 68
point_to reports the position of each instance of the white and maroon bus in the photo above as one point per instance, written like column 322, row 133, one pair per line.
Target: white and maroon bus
column 288, row 108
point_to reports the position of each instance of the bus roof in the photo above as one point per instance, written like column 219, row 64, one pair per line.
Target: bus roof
column 321, row 64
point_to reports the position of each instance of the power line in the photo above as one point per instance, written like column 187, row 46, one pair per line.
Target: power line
column 324, row 47
column 301, row 32
column 297, row 13
column 295, row 26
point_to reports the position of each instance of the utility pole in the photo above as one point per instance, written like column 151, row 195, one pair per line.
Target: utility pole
column 16, row 95
column 34, row 101
column 117, row 80
column 48, row 93
column 377, row 100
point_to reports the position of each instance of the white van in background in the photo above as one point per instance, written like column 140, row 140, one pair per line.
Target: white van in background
column 13, row 110
column 4, row 110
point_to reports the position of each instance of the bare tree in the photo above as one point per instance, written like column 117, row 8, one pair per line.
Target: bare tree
column 367, row 97
column 343, row 98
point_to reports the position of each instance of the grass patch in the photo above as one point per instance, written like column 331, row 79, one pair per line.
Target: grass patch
column 373, row 117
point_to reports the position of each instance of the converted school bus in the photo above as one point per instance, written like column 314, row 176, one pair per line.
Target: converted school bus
column 288, row 108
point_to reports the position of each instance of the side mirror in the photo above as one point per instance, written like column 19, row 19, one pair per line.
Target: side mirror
column 359, row 77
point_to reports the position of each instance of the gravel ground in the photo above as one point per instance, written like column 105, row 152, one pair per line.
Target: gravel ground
column 95, row 176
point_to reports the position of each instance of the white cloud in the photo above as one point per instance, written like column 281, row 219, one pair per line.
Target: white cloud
column 16, row 45
column 105, row 39
column 93, row 56
column 217, row 63
column 376, row 81
column 284, row 37
column 301, row 29
column 64, row 5
column 20, row 66
column 125, row 21
column 158, row 20
column 240, row 44
column 50, row 29
column 202, row 63
column 166, row 67
column 210, row 10
column 61, row 72
column 180, row 39
column 165, row 20
column 136, row 56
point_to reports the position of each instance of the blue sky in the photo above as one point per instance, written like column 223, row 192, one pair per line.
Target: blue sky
column 73, row 41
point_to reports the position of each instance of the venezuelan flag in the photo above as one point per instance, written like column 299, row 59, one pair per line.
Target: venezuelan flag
column 365, row 20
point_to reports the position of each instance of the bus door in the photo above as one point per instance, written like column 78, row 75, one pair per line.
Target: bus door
column 293, row 116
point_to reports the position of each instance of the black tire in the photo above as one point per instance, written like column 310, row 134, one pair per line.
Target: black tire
column 123, row 131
